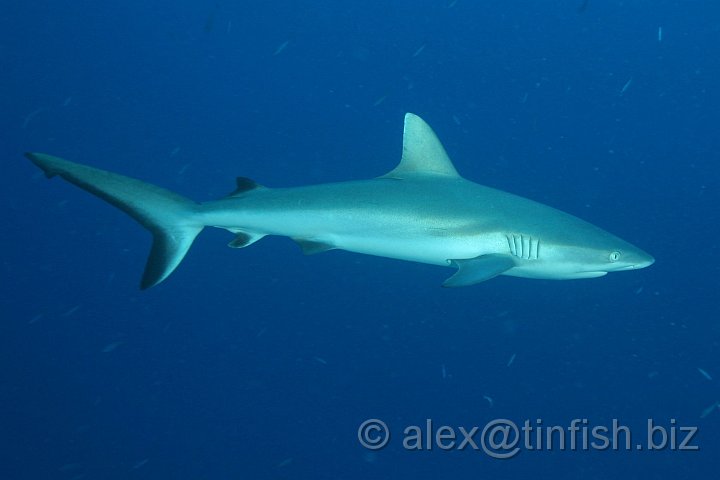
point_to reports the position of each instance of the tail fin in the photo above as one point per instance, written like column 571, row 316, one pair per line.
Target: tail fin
column 170, row 217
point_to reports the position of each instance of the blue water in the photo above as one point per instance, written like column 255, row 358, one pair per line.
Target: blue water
column 262, row 363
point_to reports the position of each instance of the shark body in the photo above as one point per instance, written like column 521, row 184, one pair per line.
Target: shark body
column 421, row 211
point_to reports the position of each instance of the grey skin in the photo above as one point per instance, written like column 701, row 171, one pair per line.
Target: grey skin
column 421, row 211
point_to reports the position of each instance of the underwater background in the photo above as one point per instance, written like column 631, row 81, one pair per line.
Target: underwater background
column 262, row 362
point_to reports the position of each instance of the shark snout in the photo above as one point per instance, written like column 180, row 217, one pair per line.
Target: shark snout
column 638, row 261
column 641, row 259
column 646, row 262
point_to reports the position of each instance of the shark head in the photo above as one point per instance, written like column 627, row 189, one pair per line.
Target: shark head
column 605, row 253
column 626, row 257
column 562, row 246
column 582, row 262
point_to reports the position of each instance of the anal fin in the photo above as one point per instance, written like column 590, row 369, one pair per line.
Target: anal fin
column 244, row 239
column 475, row 270
column 311, row 247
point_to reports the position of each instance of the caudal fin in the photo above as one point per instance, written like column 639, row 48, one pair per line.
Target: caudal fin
column 170, row 217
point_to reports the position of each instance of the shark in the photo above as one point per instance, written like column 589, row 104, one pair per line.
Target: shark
column 422, row 211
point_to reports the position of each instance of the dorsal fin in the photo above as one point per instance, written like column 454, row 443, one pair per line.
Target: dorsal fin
column 423, row 154
column 244, row 184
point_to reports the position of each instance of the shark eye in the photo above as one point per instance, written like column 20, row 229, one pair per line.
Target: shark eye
column 614, row 256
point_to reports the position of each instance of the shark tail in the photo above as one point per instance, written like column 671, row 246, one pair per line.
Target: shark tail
column 172, row 219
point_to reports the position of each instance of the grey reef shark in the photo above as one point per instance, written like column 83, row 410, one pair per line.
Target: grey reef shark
column 421, row 211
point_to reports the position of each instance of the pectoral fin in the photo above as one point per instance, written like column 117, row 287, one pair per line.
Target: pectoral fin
column 475, row 270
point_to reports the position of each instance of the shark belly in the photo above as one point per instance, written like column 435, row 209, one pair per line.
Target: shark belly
column 370, row 231
column 414, row 249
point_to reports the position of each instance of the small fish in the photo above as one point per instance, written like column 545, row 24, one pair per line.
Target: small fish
column 659, row 34
column 67, row 101
column 35, row 318
column 708, row 410
column 512, row 359
column 456, row 120
column 370, row 457
column 444, row 371
column 704, row 373
column 281, row 47
column 379, row 101
column 69, row 313
column 452, row 4
column 419, row 51
column 28, row 118
column 175, row 151
column 140, row 464
column 320, row 360
column 210, row 21
column 284, row 463
column 626, row 86
column 111, row 346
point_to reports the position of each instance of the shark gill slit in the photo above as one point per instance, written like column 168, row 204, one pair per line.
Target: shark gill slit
column 522, row 246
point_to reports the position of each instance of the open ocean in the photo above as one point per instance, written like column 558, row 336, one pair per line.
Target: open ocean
column 262, row 363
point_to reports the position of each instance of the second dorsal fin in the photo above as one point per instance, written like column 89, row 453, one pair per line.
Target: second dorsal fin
column 244, row 184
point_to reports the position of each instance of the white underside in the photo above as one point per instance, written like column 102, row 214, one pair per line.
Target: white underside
column 354, row 236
